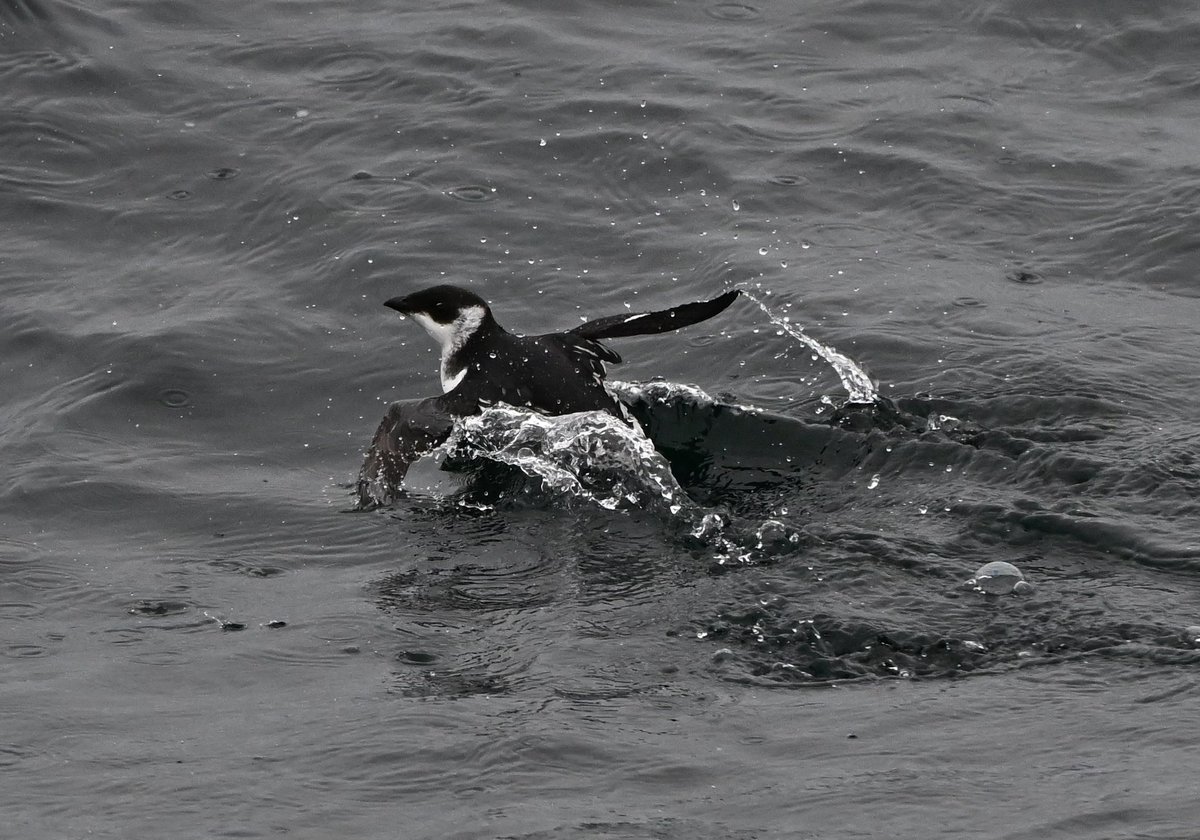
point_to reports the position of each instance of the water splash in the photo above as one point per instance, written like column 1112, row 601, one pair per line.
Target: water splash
column 591, row 457
column 664, row 392
column 859, row 388
column 661, row 391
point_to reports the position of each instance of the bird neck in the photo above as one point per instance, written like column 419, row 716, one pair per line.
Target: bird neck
column 470, row 329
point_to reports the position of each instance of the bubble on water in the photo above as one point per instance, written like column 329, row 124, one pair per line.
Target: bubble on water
column 736, row 205
column 1000, row 578
column 874, row 482
column 542, row 142
column 762, row 252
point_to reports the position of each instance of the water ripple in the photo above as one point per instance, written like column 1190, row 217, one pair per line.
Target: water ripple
column 737, row 12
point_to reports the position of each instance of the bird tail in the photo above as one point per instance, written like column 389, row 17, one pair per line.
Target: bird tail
column 649, row 323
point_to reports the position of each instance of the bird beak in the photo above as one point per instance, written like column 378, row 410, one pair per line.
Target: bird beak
column 400, row 304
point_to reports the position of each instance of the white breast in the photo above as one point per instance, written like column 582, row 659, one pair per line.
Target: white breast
column 449, row 383
column 451, row 338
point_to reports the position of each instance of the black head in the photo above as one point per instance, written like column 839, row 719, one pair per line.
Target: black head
column 441, row 304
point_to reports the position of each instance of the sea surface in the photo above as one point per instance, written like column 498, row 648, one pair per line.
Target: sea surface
column 991, row 207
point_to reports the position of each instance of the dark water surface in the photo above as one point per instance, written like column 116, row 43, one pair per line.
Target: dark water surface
column 990, row 206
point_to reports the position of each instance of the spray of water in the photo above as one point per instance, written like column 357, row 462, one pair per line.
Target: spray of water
column 591, row 456
column 858, row 385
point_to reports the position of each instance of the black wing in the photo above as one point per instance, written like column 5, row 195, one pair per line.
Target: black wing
column 586, row 354
column 650, row 323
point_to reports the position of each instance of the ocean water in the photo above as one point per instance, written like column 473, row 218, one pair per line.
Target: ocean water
column 989, row 207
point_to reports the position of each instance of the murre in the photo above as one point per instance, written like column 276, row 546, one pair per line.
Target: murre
column 483, row 364
column 555, row 373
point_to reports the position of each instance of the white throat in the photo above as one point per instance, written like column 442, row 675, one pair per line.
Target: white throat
column 451, row 338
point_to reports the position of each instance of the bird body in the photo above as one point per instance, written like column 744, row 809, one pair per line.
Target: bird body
column 483, row 364
column 557, row 373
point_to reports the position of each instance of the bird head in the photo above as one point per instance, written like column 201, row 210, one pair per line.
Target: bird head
column 450, row 314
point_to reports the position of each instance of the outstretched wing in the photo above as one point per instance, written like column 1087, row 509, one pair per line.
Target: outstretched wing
column 650, row 323
column 410, row 429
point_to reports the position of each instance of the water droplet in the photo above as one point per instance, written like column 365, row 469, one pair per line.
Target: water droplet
column 736, row 206
column 542, row 142
column 874, row 482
